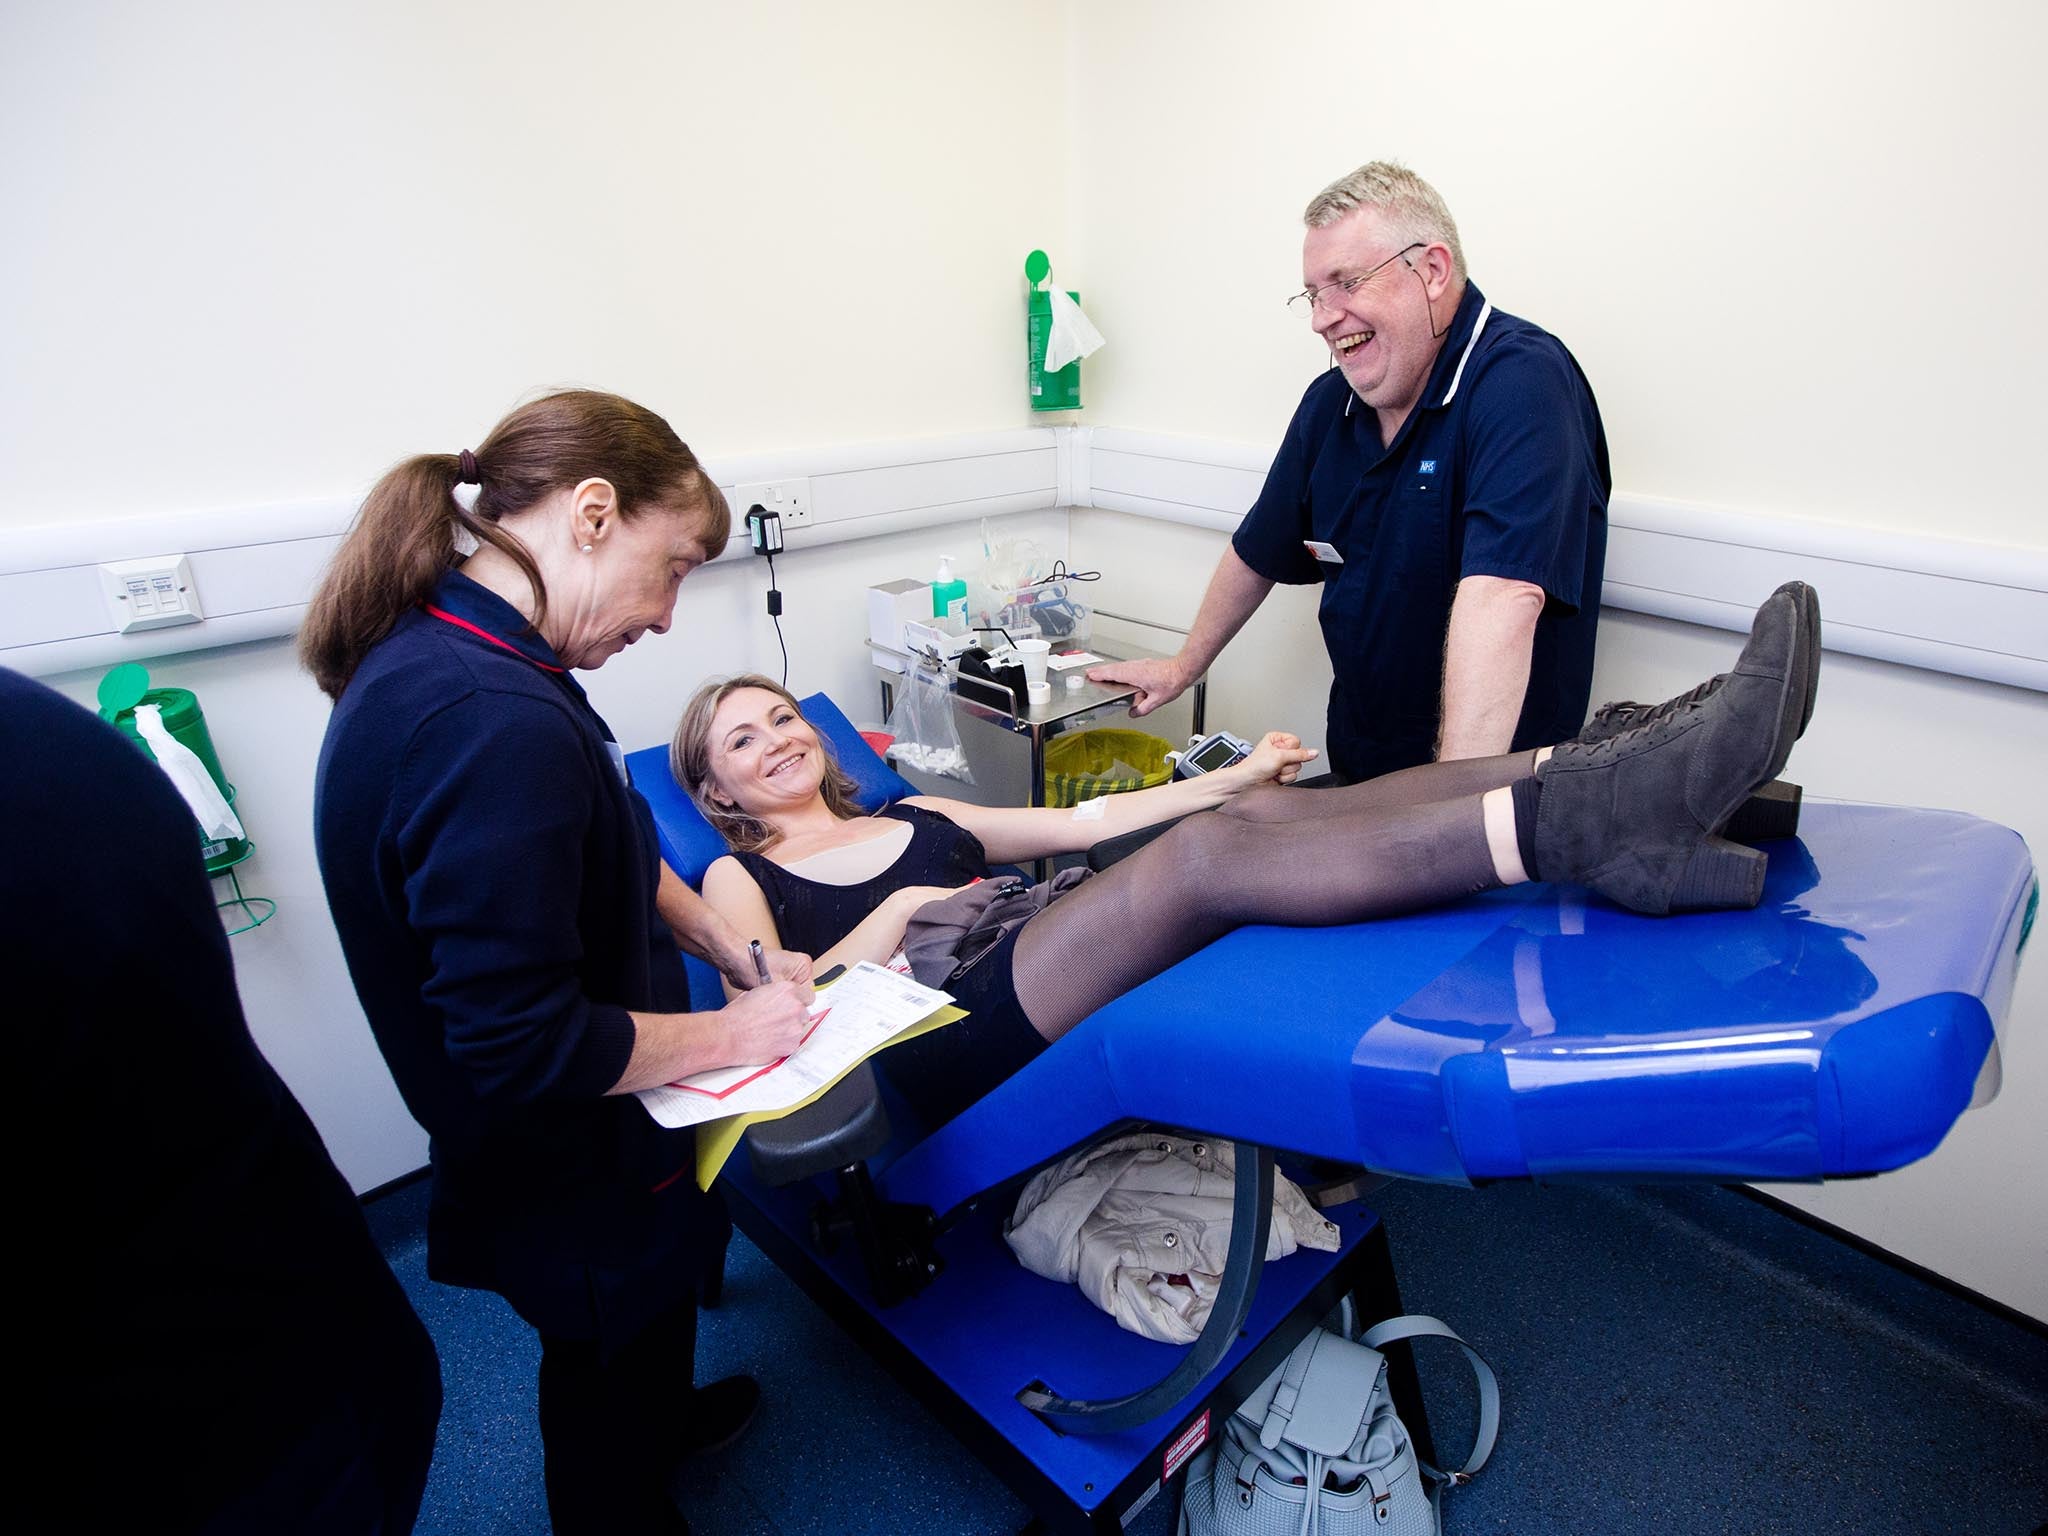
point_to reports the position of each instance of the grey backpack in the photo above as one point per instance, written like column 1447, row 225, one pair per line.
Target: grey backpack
column 1319, row 1451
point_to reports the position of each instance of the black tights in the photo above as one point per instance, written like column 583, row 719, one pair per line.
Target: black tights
column 1393, row 844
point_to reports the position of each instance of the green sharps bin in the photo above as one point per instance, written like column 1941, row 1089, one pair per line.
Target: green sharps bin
column 1049, row 391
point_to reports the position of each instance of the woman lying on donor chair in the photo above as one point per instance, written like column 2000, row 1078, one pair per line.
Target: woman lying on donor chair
column 1636, row 808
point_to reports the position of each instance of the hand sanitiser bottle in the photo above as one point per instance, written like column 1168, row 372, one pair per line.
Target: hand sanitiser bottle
column 949, row 598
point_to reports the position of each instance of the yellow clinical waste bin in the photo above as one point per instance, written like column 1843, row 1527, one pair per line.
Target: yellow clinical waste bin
column 1082, row 766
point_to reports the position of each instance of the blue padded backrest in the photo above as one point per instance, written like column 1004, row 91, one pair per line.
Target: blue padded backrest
column 687, row 841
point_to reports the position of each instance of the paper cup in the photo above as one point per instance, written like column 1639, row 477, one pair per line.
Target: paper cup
column 1032, row 654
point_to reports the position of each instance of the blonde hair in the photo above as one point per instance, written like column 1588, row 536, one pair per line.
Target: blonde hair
column 1407, row 202
column 689, row 759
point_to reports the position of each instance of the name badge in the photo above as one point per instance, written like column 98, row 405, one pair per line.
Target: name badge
column 619, row 762
column 1326, row 553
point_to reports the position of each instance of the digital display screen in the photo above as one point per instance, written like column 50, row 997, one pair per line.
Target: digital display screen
column 1218, row 754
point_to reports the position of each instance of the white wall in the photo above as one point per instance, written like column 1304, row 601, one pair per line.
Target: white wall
column 1791, row 246
column 258, row 252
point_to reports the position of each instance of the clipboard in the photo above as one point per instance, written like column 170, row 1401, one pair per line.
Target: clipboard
column 718, row 1139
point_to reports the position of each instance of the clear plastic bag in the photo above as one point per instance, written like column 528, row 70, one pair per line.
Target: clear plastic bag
column 1007, row 566
column 922, row 721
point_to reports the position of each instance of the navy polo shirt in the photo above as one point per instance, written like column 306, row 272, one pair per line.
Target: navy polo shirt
column 1500, row 470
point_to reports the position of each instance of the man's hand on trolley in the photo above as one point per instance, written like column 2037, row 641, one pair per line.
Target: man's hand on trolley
column 1157, row 679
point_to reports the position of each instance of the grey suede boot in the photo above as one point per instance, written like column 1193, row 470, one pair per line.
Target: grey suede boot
column 1773, row 811
column 1627, row 715
column 1638, row 816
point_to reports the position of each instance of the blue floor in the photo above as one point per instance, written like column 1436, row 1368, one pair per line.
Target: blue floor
column 1672, row 1360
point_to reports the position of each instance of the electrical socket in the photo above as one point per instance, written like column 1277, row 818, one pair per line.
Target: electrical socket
column 789, row 500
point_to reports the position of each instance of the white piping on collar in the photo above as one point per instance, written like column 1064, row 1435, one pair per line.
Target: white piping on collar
column 1485, row 309
column 1465, row 357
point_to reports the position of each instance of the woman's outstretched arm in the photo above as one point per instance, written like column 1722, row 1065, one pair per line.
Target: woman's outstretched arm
column 1011, row 833
column 735, row 896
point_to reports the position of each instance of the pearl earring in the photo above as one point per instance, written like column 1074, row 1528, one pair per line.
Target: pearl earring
column 586, row 549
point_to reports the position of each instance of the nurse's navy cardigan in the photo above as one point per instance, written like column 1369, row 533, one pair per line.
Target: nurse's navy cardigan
column 493, row 877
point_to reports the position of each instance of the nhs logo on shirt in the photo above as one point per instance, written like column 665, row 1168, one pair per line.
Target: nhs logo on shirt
column 1427, row 466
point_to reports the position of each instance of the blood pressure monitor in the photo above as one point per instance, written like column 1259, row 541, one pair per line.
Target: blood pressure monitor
column 1205, row 754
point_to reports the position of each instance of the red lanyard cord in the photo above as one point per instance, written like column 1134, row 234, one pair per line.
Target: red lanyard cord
column 484, row 634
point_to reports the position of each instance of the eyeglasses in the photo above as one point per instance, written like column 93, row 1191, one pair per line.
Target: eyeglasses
column 1303, row 304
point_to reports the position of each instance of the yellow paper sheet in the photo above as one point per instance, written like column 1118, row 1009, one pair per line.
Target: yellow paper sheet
column 716, row 1139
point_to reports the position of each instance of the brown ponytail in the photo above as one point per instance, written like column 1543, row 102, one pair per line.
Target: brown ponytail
column 404, row 539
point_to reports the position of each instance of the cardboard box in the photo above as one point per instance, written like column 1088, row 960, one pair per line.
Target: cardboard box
column 891, row 605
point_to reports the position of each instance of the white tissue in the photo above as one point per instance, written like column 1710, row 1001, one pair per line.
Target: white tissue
column 1072, row 334
column 188, row 775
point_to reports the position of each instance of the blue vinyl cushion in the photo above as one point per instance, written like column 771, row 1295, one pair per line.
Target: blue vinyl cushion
column 1840, row 1028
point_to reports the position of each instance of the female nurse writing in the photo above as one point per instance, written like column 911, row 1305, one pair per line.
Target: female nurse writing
column 509, row 924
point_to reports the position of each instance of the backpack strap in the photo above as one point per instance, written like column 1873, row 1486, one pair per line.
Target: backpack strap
column 1416, row 1326
column 1280, row 1411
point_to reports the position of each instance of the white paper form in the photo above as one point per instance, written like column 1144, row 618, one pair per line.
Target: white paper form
column 854, row 1016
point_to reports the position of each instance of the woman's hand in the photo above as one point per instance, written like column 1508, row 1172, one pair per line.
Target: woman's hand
column 789, row 965
column 766, row 1023
column 910, row 897
column 902, row 905
column 878, row 936
column 783, row 965
column 1277, row 759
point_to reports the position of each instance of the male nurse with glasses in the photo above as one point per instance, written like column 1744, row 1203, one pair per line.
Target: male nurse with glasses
column 1445, row 481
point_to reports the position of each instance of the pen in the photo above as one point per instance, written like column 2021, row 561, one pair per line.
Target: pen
column 760, row 961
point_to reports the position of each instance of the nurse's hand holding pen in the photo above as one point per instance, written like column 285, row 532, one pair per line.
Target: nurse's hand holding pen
column 779, row 978
column 767, row 1022
column 760, row 1017
column 762, row 1024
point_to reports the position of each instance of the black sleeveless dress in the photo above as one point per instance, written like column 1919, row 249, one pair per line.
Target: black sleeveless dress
column 940, row 1073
